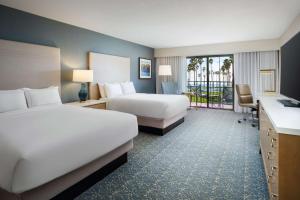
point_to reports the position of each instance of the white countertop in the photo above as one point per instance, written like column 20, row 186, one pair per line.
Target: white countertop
column 284, row 119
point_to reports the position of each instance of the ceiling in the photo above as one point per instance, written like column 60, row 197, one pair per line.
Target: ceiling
column 171, row 23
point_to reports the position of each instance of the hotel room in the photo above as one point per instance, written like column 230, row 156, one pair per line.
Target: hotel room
column 145, row 99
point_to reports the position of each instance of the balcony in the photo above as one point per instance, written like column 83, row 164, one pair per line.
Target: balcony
column 211, row 94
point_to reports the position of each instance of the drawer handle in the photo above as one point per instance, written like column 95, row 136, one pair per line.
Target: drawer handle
column 274, row 195
column 273, row 169
column 273, row 140
column 269, row 155
column 269, row 178
column 268, row 132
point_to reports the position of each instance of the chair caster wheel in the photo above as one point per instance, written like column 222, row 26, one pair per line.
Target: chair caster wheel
column 253, row 125
column 244, row 119
column 239, row 121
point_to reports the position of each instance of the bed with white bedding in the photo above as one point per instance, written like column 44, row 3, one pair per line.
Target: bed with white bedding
column 40, row 144
column 157, row 106
column 48, row 149
column 156, row 112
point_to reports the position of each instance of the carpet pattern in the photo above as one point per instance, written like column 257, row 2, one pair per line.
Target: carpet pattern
column 209, row 156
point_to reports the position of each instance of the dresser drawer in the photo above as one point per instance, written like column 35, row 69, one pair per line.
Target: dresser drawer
column 269, row 141
column 272, row 181
column 268, row 136
column 281, row 158
column 271, row 164
column 270, row 151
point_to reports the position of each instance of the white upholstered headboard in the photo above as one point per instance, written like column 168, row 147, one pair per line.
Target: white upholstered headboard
column 28, row 65
column 107, row 69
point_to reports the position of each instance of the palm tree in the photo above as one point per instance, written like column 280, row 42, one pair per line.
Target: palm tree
column 193, row 66
column 226, row 67
column 200, row 61
column 210, row 61
column 203, row 70
column 223, row 72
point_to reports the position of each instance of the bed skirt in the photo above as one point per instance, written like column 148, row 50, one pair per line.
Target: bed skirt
column 160, row 126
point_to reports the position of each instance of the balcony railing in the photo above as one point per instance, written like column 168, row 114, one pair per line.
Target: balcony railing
column 217, row 94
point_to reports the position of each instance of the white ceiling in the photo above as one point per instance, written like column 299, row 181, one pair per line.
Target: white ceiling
column 170, row 23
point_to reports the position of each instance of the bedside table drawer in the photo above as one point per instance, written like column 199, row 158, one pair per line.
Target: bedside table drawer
column 98, row 106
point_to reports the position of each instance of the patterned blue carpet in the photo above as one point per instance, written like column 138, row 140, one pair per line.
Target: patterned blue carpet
column 209, row 156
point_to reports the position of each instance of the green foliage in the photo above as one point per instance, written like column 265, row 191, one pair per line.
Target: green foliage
column 194, row 64
column 226, row 65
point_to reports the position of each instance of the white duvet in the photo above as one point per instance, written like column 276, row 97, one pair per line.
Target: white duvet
column 159, row 106
column 40, row 144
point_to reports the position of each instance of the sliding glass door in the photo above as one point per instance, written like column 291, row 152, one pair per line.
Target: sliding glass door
column 210, row 78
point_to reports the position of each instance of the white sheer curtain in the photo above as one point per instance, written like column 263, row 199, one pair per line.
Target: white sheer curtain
column 178, row 65
column 247, row 68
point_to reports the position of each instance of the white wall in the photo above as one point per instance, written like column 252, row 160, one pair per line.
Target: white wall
column 223, row 48
column 292, row 30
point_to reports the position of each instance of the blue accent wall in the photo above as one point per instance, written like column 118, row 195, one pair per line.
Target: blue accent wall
column 74, row 44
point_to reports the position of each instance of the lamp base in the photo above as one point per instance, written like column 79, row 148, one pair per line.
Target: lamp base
column 83, row 93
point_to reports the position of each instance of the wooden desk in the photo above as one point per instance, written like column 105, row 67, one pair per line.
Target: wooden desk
column 280, row 147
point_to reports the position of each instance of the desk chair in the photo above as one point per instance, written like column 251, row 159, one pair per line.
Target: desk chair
column 245, row 100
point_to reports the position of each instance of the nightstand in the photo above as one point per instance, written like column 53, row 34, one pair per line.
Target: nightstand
column 97, row 104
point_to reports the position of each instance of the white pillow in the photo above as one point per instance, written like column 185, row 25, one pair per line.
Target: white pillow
column 113, row 89
column 39, row 97
column 128, row 88
column 102, row 90
column 12, row 100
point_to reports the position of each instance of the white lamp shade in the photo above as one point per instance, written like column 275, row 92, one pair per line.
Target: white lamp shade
column 165, row 70
column 82, row 76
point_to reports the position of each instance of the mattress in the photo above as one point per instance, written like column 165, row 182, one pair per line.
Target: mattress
column 158, row 106
column 40, row 144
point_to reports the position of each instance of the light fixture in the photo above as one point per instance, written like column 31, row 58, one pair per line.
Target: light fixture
column 164, row 70
column 83, row 77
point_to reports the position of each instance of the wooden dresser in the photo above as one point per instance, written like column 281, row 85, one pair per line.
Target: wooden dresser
column 280, row 148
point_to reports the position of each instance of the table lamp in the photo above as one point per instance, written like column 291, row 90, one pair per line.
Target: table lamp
column 83, row 77
column 166, row 87
column 164, row 70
